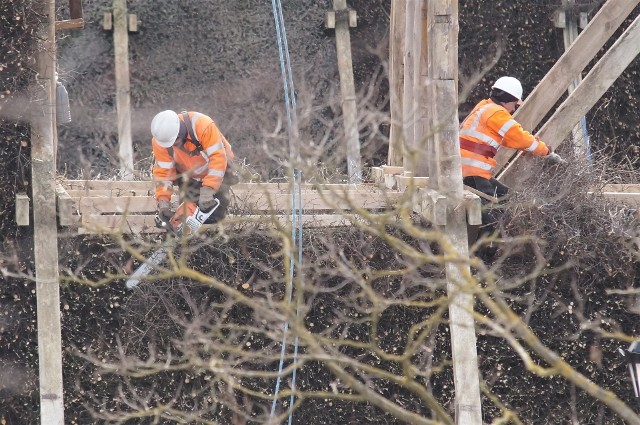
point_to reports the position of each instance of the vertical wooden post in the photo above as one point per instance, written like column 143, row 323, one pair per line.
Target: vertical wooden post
column 348, row 91
column 422, row 101
column 123, row 90
column 446, row 176
column 408, row 111
column 579, row 134
column 43, row 170
column 397, row 38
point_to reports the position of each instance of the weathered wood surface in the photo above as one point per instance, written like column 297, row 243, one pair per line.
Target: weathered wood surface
column 131, row 207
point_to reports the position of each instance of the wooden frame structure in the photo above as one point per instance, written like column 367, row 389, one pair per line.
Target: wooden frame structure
column 425, row 164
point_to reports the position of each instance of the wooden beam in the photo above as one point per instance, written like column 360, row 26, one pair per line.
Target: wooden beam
column 70, row 24
column 123, row 89
column 408, row 111
column 423, row 126
column 572, row 62
column 397, row 40
column 445, row 172
column 595, row 84
column 45, row 230
column 347, row 90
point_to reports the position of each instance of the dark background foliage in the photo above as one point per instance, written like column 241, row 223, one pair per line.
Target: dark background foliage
column 223, row 61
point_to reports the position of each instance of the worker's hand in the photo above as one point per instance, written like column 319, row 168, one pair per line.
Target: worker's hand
column 165, row 212
column 554, row 158
column 207, row 198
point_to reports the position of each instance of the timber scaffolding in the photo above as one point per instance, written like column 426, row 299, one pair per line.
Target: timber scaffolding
column 107, row 206
column 424, row 96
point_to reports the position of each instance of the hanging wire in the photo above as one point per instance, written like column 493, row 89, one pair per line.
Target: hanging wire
column 296, row 198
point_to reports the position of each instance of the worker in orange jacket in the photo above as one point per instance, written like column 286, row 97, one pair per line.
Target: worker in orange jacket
column 488, row 127
column 190, row 151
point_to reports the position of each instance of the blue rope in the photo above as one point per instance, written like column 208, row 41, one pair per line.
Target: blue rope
column 296, row 201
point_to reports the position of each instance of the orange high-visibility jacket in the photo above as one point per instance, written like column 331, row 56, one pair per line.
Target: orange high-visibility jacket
column 207, row 165
column 488, row 127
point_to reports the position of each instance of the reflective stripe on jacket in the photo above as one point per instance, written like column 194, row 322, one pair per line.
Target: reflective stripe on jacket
column 183, row 159
column 490, row 126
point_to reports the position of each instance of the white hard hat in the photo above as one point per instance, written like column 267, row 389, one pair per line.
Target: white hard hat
column 165, row 127
column 510, row 85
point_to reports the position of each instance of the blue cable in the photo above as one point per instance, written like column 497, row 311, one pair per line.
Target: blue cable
column 296, row 202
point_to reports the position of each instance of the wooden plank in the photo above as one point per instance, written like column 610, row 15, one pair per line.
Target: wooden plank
column 595, row 84
column 630, row 199
column 423, row 127
column 622, row 188
column 70, row 24
column 103, row 224
column 22, row 209
column 65, row 206
column 348, row 92
column 397, row 40
column 123, row 87
column 572, row 62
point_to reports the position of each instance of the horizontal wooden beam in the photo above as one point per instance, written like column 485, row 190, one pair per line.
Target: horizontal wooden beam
column 70, row 24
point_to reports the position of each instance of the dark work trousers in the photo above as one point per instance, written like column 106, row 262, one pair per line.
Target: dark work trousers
column 490, row 212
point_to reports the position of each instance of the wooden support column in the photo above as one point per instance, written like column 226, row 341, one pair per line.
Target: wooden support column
column 439, row 74
column 397, row 39
column 343, row 18
column 422, row 101
column 43, row 169
column 573, row 61
column 123, row 89
column 595, row 84
column 579, row 134
column 408, row 111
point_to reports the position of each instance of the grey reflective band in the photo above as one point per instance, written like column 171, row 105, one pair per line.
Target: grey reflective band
column 506, row 127
column 167, row 165
column 216, row 173
column 164, row 183
column 214, row 148
column 475, row 163
column 201, row 169
column 533, row 146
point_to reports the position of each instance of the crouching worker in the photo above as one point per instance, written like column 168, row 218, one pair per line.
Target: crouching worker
column 488, row 127
column 191, row 152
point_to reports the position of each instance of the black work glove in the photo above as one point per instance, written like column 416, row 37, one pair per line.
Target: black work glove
column 165, row 212
column 207, row 198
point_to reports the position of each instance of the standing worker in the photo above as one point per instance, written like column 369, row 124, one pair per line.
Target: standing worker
column 488, row 127
column 189, row 150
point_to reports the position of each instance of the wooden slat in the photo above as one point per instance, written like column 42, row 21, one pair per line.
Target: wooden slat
column 631, row 199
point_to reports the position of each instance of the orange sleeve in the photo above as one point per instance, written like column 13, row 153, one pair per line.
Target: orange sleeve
column 164, row 172
column 215, row 147
column 514, row 136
